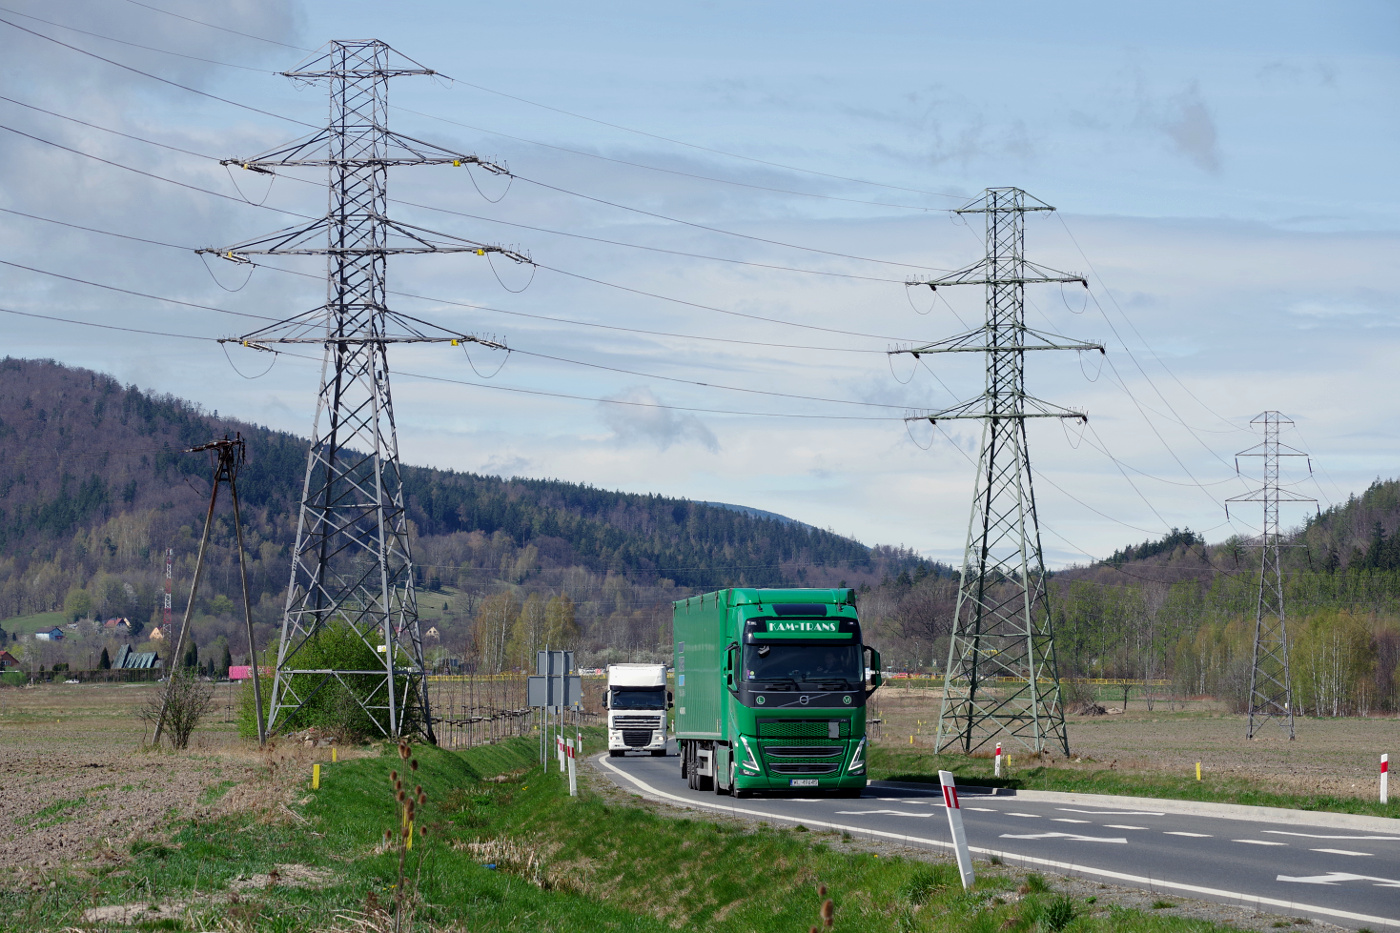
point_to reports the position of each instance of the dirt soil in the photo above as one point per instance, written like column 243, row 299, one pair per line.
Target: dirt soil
column 1329, row 756
column 77, row 784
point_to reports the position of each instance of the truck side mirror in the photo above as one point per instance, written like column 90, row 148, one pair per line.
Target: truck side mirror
column 874, row 664
column 670, row 699
column 729, row 664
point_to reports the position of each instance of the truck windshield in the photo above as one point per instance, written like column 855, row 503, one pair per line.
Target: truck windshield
column 639, row 699
column 799, row 667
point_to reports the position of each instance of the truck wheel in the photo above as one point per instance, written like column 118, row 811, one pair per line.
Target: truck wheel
column 658, row 753
column 706, row 783
column 742, row 794
column 615, row 753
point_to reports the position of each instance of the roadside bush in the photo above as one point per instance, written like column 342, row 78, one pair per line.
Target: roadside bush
column 185, row 699
column 331, row 704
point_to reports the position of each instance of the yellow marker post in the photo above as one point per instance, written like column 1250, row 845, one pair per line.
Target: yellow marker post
column 1198, row 770
column 911, row 740
column 315, row 777
column 410, row 836
column 332, row 754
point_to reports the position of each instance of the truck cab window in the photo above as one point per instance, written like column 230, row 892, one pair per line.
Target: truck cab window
column 804, row 666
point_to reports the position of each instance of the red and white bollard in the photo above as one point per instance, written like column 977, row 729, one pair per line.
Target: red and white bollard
column 955, row 826
column 573, row 775
column 1385, row 778
column 559, row 746
column 996, row 772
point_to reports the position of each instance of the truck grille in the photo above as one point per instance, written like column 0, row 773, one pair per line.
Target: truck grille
column 802, row 728
column 786, row 767
column 637, row 722
column 803, row 751
column 636, row 738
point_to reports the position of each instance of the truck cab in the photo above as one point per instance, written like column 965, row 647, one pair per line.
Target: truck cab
column 771, row 690
column 637, row 701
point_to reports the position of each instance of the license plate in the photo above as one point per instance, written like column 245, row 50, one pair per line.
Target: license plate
column 802, row 782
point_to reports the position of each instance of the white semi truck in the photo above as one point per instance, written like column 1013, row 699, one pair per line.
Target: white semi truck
column 637, row 702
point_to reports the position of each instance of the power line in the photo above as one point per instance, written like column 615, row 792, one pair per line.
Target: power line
column 464, row 304
column 134, row 45
column 531, row 353
column 445, row 210
column 200, row 22
column 147, row 74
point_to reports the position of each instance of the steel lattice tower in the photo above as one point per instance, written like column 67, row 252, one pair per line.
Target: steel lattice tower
column 352, row 564
column 1001, row 675
column 1270, row 684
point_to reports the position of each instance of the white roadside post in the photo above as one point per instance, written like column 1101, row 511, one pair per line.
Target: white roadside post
column 955, row 826
column 560, row 746
column 996, row 772
column 1385, row 778
column 573, row 775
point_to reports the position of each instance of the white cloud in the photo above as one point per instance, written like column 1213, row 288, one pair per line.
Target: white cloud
column 639, row 423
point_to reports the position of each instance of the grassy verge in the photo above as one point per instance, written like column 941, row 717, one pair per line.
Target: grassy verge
column 516, row 852
column 895, row 763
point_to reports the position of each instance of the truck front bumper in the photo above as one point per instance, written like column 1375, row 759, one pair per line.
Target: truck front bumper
column 617, row 742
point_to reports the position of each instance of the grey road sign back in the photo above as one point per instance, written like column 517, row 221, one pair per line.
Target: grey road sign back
column 553, row 686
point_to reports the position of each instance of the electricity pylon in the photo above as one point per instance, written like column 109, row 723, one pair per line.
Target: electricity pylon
column 351, row 566
column 1001, row 675
column 1270, row 685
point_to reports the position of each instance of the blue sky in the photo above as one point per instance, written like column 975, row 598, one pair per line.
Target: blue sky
column 1225, row 176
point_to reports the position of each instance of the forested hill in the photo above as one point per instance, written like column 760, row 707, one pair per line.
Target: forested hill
column 92, row 481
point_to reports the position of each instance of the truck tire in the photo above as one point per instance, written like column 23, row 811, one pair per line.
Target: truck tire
column 615, row 753
column 658, row 753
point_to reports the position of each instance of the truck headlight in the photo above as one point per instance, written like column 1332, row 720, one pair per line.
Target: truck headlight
column 857, row 765
column 749, row 761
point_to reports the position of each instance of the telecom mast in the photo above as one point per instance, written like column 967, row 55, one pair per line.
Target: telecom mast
column 351, row 565
column 1270, row 685
column 1001, row 675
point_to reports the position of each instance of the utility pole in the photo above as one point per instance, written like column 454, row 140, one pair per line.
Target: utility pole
column 352, row 565
column 169, row 579
column 1001, row 675
column 1270, row 685
column 229, row 457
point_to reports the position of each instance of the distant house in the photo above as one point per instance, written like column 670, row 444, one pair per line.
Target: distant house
column 157, row 634
column 116, row 626
column 7, row 661
column 433, row 633
column 128, row 659
column 53, row 634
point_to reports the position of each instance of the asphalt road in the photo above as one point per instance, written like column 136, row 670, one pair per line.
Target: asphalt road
column 1347, row 877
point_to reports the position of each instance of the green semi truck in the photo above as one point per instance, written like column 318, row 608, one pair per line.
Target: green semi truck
column 770, row 690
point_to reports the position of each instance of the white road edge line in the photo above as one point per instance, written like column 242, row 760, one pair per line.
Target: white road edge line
column 1341, row 852
column 1073, row 869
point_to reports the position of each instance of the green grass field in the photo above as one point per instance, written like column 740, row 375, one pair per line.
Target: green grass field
column 516, row 852
column 26, row 626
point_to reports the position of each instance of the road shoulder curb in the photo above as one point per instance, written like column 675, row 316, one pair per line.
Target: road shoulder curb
column 1227, row 811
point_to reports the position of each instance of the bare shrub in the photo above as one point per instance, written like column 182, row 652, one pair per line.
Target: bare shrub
column 186, row 699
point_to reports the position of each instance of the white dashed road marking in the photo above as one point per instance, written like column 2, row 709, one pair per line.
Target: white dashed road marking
column 1259, row 842
column 1341, row 852
column 1065, row 819
column 1120, row 826
column 1192, row 835
column 1284, row 832
column 923, row 816
column 1070, row 836
column 1108, row 812
column 1029, row 816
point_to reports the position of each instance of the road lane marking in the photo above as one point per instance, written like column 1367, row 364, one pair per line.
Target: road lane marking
column 1070, row 836
column 1029, row 816
column 1109, row 812
column 1259, row 842
column 922, row 816
column 1192, row 835
column 1333, row 877
column 1121, row 826
column 981, row 809
column 708, row 802
column 1341, row 852
column 1284, row 832
column 1065, row 819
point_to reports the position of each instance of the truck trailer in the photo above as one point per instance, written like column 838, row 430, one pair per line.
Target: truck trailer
column 771, row 688
column 637, row 702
